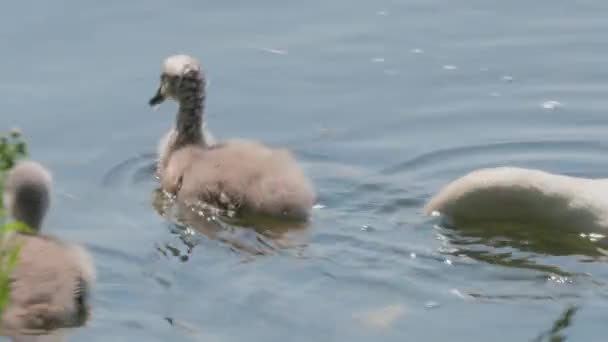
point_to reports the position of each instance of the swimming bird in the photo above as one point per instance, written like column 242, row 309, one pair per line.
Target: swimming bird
column 52, row 280
column 511, row 194
column 242, row 176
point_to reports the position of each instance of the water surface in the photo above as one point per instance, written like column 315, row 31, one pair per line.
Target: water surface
column 382, row 101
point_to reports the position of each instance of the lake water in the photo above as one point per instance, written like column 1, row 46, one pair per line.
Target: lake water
column 383, row 102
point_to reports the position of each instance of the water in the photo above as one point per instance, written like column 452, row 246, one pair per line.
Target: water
column 383, row 102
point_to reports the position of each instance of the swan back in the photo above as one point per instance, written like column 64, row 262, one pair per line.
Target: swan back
column 523, row 195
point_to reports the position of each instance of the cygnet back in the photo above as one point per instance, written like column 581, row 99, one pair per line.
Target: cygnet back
column 242, row 175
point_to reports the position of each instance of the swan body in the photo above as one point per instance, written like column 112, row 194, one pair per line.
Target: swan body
column 51, row 283
column 236, row 175
column 522, row 195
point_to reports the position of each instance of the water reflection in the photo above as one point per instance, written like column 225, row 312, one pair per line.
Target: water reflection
column 554, row 334
column 526, row 238
column 252, row 235
column 520, row 245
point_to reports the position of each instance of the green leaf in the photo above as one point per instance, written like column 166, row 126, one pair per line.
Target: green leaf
column 16, row 226
column 12, row 149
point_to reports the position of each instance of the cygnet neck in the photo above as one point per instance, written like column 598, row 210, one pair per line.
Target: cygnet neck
column 190, row 113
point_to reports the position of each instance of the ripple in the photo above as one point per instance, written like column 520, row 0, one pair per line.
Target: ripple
column 134, row 170
column 472, row 156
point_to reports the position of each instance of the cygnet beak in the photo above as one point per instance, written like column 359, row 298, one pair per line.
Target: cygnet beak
column 158, row 98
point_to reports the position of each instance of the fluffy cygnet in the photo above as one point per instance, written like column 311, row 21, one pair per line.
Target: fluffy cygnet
column 238, row 175
column 513, row 194
column 51, row 283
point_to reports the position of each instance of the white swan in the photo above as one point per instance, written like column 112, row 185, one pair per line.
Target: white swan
column 51, row 283
column 237, row 175
column 513, row 194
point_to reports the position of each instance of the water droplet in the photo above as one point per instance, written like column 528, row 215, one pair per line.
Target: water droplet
column 559, row 279
column 440, row 237
column 551, row 105
column 413, row 255
column 431, row 305
column 318, row 206
column 594, row 237
column 448, row 262
column 275, row 51
column 367, row 228
column 458, row 294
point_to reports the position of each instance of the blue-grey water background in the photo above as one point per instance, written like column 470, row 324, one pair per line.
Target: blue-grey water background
column 382, row 102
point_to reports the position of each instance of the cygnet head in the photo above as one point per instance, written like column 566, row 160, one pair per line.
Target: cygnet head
column 181, row 76
column 27, row 193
